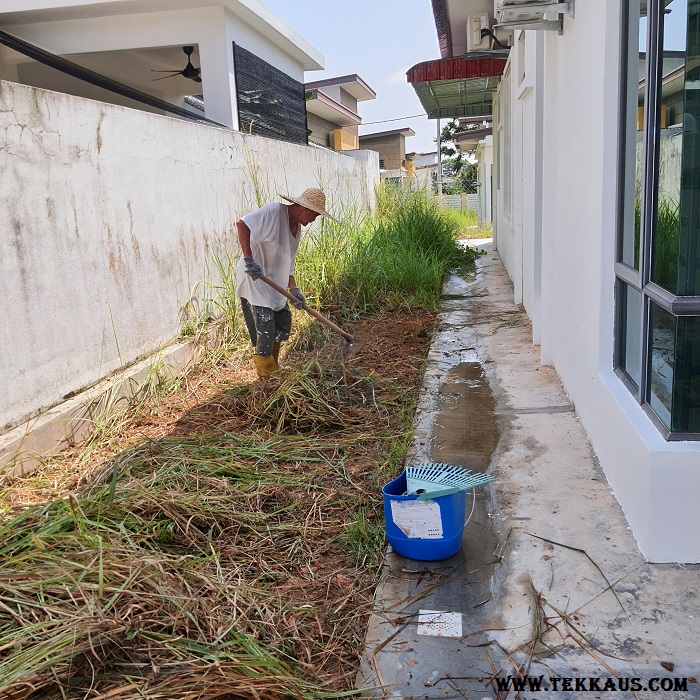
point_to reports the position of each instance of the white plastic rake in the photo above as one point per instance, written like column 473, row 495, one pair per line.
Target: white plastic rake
column 433, row 480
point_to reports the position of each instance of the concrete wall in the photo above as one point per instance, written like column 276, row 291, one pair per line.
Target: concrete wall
column 41, row 76
column 509, row 248
column 527, row 187
column 108, row 220
column 655, row 481
column 484, row 157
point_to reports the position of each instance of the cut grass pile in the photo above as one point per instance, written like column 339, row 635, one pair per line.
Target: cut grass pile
column 142, row 580
column 234, row 556
column 226, row 540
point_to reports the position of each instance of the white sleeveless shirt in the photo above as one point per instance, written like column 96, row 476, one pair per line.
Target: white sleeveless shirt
column 274, row 247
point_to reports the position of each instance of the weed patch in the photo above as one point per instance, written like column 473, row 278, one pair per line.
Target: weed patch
column 226, row 539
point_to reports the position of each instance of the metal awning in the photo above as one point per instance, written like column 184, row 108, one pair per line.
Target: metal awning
column 457, row 87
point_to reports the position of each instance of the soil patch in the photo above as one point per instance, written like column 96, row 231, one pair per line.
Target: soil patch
column 225, row 541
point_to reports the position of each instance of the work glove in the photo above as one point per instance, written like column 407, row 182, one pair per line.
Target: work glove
column 252, row 268
column 296, row 292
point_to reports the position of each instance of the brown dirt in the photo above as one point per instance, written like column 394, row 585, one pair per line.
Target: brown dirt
column 330, row 588
column 390, row 346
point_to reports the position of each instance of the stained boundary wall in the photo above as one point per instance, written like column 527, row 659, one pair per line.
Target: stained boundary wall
column 109, row 220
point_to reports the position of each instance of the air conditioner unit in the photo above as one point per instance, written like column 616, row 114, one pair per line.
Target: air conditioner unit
column 475, row 23
column 532, row 14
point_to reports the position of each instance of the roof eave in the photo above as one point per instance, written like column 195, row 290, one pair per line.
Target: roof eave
column 442, row 26
column 253, row 12
column 327, row 108
column 353, row 84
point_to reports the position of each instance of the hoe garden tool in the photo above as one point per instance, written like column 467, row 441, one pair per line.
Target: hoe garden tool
column 348, row 340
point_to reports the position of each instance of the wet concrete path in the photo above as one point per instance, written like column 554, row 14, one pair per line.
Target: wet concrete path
column 487, row 404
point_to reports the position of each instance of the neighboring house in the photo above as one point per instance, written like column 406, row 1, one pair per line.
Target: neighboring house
column 605, row 263
column 468, row 141
column 245, row 64
column 331, row 107
column 391, row 146
column 425, row 167
column 478, row 140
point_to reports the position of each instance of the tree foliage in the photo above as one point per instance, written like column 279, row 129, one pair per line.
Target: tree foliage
column 460, row 172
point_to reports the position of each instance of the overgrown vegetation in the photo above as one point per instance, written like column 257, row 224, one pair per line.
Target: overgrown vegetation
column 460, row 174
column 226, row 543
column 468, row 224
column 665, row 251
column 394, row 260
column 665, row 271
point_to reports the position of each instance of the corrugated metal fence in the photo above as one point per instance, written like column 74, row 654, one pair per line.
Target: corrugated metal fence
column 463, row 202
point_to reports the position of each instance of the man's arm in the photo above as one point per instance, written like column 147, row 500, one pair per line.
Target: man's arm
column 244, row 238
column 252, row 268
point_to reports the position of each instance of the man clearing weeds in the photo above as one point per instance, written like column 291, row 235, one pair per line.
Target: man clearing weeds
column 269, row 239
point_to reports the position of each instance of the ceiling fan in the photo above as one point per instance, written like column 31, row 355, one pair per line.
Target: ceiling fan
column 189, row 71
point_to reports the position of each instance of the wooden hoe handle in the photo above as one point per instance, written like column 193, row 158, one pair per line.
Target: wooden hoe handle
column 308, row 309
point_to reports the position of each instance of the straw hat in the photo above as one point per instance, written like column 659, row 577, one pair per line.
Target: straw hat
column 312, row 199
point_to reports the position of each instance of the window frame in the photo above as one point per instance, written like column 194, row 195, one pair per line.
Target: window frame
column 640, row 279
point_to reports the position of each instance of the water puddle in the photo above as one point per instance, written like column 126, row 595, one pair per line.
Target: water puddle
column 465, row 429
column 465, row 432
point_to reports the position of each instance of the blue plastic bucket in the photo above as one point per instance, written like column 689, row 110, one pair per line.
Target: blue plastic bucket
column 424, row 530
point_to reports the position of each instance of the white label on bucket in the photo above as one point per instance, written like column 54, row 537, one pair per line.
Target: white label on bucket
column 417, row 519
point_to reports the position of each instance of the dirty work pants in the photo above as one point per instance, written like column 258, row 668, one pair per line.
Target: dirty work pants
column 265, row 326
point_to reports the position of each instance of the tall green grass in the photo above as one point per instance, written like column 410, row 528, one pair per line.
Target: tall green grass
column 464, row 219
column 394, row 258
column 665, row 251
column 187, row 568
column 468, row 223
column 665, row 270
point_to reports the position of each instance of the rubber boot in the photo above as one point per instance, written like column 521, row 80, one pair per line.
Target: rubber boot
column 265, row 365
column 276, row 353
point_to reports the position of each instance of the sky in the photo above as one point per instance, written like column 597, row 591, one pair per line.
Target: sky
column 675, row 28
column 379, row 40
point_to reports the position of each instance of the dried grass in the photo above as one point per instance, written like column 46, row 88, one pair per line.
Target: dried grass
column 230, row 551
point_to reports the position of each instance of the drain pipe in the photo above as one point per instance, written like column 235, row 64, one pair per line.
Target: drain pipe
column 439, row 161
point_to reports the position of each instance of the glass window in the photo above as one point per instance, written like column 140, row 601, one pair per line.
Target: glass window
column 689, row 245
column 659, row 351
column 664, row 268
column 634, row 128
column 686, row 405
column 662, row 362
column 630, row 340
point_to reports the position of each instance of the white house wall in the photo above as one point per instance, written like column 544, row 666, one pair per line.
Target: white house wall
column 108, row 221
column 44, row 77
column 504, row 153
column 484, row 157
column 655, row 481
column 528, row 95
